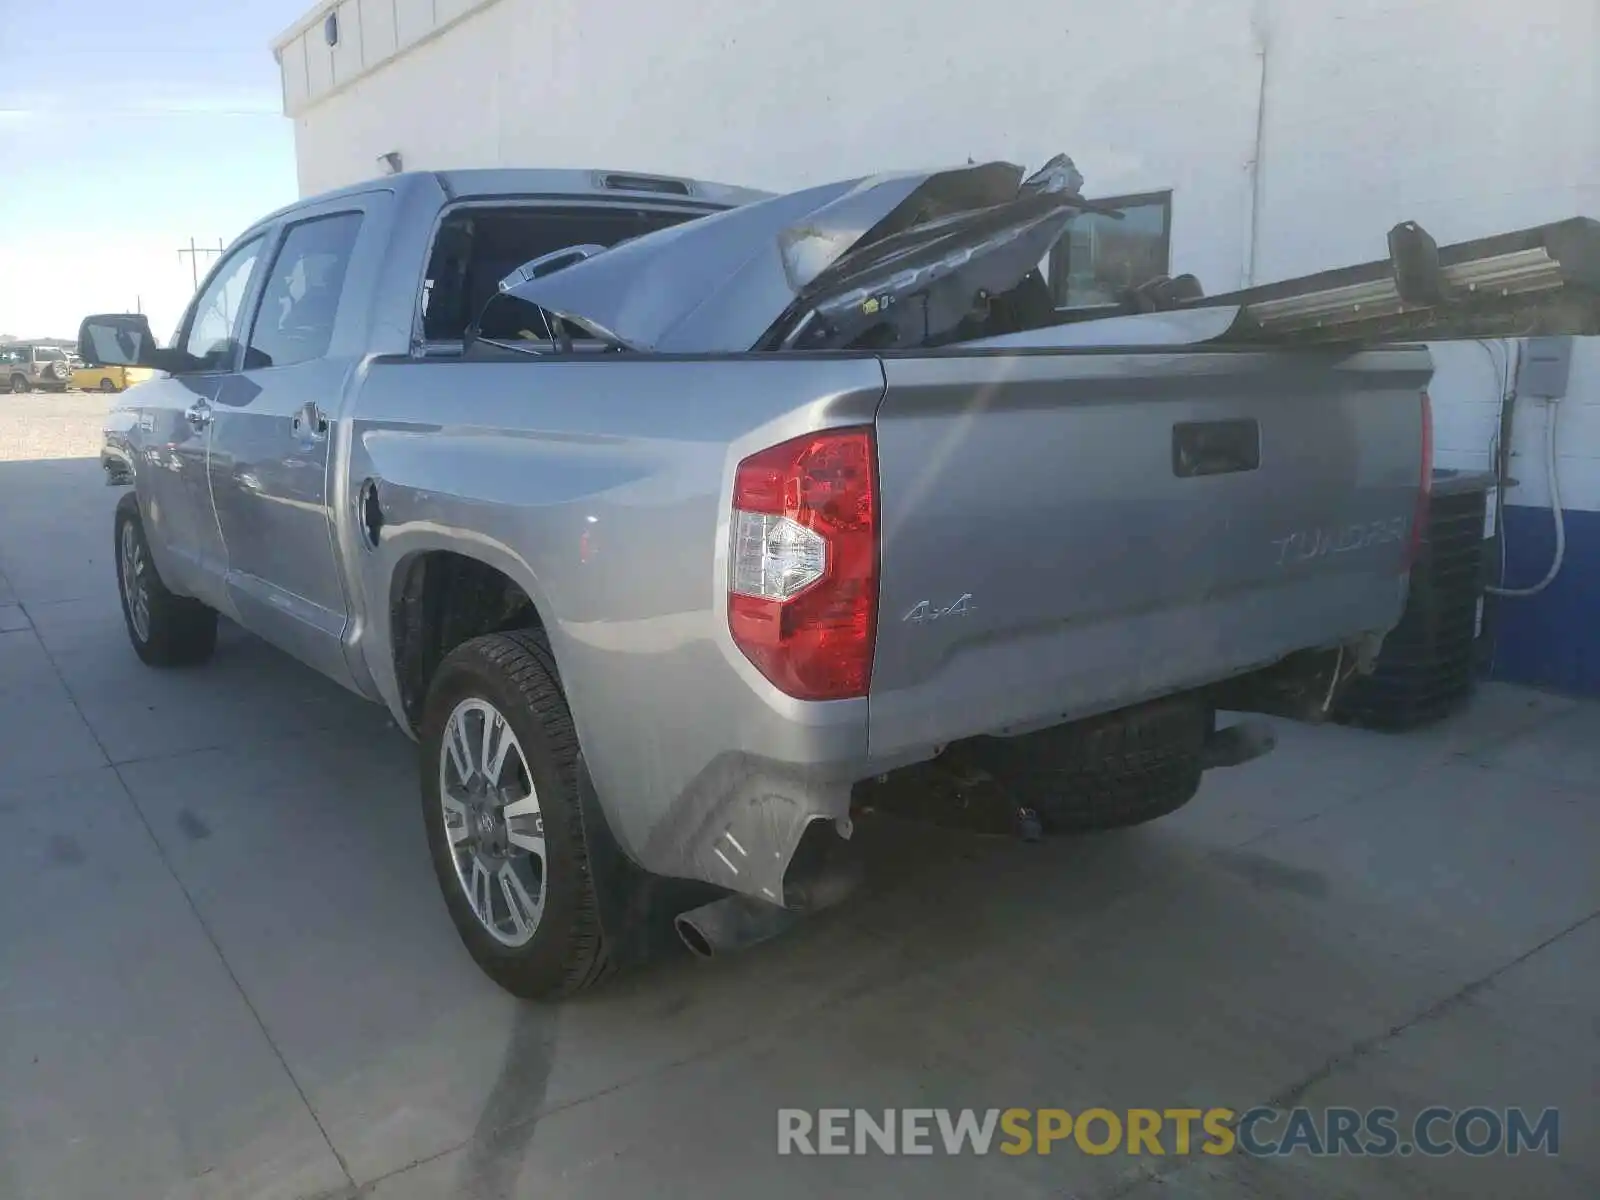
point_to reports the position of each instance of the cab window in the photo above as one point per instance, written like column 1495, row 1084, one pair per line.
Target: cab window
column 300, row 300
column 212, row 335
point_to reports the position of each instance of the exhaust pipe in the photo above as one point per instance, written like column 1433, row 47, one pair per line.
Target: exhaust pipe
column 1237, row 745
column 732, row 923
column 821, row 874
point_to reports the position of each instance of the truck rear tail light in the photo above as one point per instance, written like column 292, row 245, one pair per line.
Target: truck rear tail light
column 1419, row 519
column 803, row 563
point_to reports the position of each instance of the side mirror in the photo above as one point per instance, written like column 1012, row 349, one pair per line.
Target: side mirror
column 125, row 340
column 118, row 340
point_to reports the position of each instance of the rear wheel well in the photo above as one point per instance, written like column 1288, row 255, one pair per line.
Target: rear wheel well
column 444, row 599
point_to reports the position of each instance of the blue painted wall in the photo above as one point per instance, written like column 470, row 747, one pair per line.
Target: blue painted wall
column 1553, row 639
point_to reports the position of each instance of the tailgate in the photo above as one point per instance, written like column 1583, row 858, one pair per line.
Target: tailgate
column 1067, row 533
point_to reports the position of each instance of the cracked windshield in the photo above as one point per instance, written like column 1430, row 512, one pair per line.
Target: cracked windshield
column 639, row 600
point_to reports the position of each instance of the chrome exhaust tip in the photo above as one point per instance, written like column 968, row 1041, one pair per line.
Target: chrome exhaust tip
column 730, row 924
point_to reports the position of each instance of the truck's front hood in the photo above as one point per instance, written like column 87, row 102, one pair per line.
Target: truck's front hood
column 722, row 283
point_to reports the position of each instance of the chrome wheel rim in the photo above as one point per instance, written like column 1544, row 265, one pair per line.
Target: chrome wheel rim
column 135, row 585
column 492, row 822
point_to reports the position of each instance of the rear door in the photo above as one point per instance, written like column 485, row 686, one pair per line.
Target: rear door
column 1068, row 533
column 270, row 458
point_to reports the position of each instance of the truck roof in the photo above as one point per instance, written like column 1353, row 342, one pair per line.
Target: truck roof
column 479, row 182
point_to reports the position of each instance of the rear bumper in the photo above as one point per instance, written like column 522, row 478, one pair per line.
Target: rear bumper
column 739, row 818
column 740, row 821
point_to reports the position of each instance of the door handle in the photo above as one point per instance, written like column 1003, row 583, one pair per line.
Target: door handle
column 311, row 422
column 1215, row 447
column 198, row 414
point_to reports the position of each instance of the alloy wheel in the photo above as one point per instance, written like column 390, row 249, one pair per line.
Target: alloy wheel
column 493, row 822
column 135, row 582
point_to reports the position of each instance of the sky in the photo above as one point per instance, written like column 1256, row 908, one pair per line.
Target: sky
column 125, row 130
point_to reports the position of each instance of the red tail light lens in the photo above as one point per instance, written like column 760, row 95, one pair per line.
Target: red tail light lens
column 803, row 564
column 1419, row 519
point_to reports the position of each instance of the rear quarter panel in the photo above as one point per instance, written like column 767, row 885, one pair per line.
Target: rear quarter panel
column 602, row 487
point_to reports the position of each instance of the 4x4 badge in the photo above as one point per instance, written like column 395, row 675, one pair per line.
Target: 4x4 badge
column 926, row 610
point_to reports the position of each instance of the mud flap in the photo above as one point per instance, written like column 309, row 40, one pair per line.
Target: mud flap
column 636, row 907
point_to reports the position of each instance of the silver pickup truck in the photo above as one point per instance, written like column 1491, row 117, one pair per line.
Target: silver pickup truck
column 667, row 517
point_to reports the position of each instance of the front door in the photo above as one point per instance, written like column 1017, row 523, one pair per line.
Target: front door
column 270, row 448
column 173, row 418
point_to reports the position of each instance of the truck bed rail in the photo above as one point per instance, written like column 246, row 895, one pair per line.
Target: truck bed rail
column 1542, row 281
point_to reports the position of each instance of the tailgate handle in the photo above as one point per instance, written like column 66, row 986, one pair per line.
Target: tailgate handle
column 1215, row 447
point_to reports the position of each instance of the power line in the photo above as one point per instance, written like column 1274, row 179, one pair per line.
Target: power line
column 144, row 52
column 194, row 252
column 144, row 111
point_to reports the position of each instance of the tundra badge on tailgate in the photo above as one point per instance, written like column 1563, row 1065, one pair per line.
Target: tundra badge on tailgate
column 1306, row 544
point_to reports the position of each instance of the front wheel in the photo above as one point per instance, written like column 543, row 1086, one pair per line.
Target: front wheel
column 166, row 630
column 19, row 384
column 499, row 766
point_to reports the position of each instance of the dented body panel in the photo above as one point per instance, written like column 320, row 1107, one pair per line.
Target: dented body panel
column 600, row 488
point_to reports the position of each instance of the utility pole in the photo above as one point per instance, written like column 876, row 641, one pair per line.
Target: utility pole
column 194, row 252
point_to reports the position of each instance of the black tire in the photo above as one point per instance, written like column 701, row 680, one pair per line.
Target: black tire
column 107, row 385
column 178, row 631
column 1108, row 772
column 19, row 384
column 516, row 673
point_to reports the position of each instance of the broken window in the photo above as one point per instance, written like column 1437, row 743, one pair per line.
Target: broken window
column 478, row 246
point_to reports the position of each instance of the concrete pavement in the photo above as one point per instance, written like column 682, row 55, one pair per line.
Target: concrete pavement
column 225, row 971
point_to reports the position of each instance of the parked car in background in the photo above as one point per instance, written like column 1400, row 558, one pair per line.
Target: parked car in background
column 90, row 377
column 25, row 366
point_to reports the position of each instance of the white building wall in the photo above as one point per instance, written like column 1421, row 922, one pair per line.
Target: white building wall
column 1470, row 116
column 779, row 96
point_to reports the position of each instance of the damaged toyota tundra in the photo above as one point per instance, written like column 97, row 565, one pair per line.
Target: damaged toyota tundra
column 671, row 518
